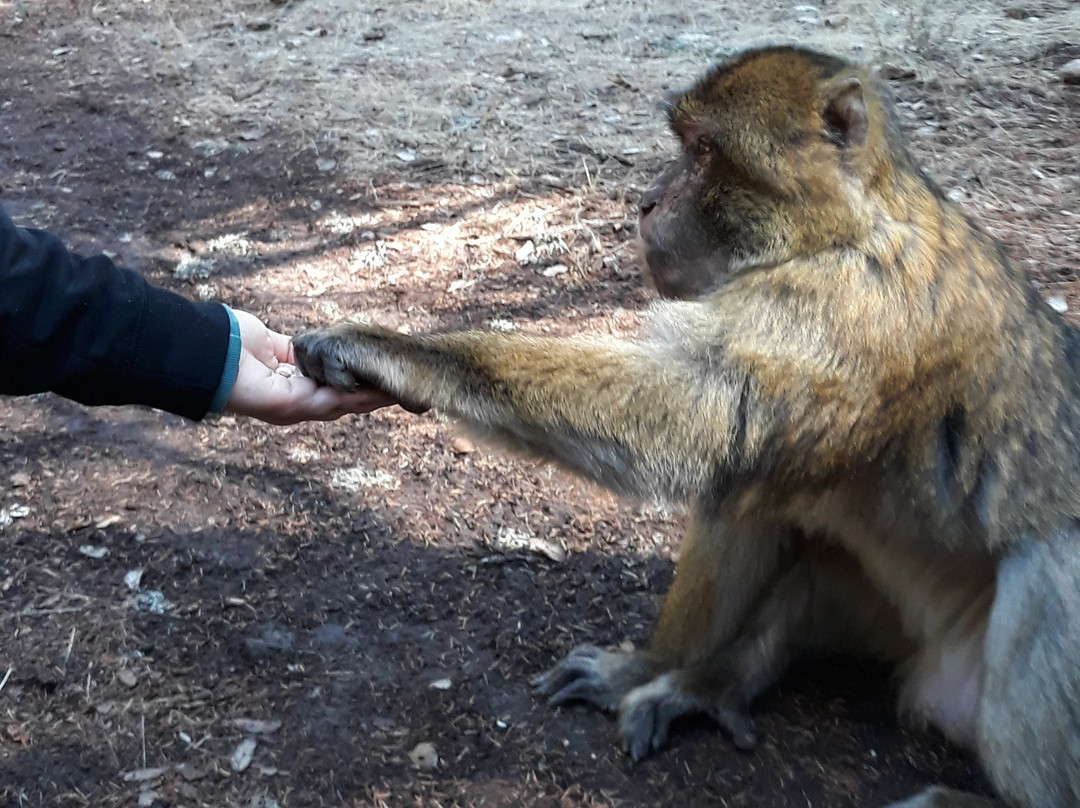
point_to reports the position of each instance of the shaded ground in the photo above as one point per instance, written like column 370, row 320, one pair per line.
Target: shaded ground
column 367, row 586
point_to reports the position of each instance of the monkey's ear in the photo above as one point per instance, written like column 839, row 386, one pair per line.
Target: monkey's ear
column 846, row 118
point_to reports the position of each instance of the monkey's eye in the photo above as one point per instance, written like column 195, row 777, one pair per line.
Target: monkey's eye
column 702, row 146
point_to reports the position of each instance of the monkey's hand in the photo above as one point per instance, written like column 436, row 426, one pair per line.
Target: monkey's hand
column 348, row 356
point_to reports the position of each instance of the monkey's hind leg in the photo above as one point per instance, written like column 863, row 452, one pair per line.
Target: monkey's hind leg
column 722, row 571
column 822, row 604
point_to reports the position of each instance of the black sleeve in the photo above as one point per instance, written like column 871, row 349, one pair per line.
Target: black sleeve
column 93, row 332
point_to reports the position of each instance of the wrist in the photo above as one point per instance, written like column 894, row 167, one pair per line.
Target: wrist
column 231, row 366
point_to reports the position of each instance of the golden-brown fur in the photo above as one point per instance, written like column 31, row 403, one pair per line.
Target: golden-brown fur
column 873, row 417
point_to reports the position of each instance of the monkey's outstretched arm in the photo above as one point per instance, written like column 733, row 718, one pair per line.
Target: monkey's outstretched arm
column 622, row 413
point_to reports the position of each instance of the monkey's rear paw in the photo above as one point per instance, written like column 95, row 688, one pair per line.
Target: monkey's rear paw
column 646, row 714
column 593, row 675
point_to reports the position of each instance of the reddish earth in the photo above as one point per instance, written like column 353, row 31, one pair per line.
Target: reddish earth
column 362, row 587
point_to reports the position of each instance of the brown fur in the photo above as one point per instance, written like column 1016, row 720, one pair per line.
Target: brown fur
column 874, row 419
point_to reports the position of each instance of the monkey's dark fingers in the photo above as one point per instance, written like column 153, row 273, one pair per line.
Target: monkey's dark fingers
column 321, row 356
column 733, row 714
column 592, row 689
column 574, row 665
column 586, row 674
column 646, row 713
column 338, row 357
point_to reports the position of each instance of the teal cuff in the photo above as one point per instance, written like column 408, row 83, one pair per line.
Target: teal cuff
column 232, row 365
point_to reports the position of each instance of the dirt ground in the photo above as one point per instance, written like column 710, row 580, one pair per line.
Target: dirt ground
column 232, row 614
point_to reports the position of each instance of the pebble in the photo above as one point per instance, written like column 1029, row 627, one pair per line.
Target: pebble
column 895, row 72
column 1070, row 72
column 462, row 445
column 424, row 756
column 243, row 754
column 1058, row 303
column 1017, row 12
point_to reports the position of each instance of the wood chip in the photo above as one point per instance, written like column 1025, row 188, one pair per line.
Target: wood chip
column 142, row 775
column 255, row 726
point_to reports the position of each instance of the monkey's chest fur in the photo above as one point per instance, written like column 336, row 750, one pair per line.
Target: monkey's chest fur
column 941, row 595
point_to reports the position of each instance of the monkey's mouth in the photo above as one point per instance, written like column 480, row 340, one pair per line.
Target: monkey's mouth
column 680, row 277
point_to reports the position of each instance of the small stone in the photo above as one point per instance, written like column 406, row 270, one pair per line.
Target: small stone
column 524, row 254
column 441, row 684
column 325, row 164
column 461, row 445
column 555, row 269
column 424, row 756
column 895, row 72
column 133, row 578
column 127, row 677
column 1018, row 12
column 153, row 601
column 1058, row 303
column 1070, row 72
column 91, row 551
column 243, row 754
column 20, row 479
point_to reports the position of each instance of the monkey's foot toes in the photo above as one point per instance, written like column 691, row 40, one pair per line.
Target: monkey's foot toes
column 646, row 714
column 592, row 675
column 731, row 712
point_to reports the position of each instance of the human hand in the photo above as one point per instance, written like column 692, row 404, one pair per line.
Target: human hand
column 268, row 386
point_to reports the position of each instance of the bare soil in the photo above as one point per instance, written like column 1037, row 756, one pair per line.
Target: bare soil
column 340, row 593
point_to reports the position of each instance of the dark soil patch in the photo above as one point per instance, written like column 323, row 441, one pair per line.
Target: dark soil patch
column 349, row 580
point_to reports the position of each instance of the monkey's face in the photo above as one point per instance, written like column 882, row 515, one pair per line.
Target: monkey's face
column 685, row 258
column 756, row 184
column 719, row 208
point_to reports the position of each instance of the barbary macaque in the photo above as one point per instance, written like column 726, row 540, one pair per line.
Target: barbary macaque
column 873, row 418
